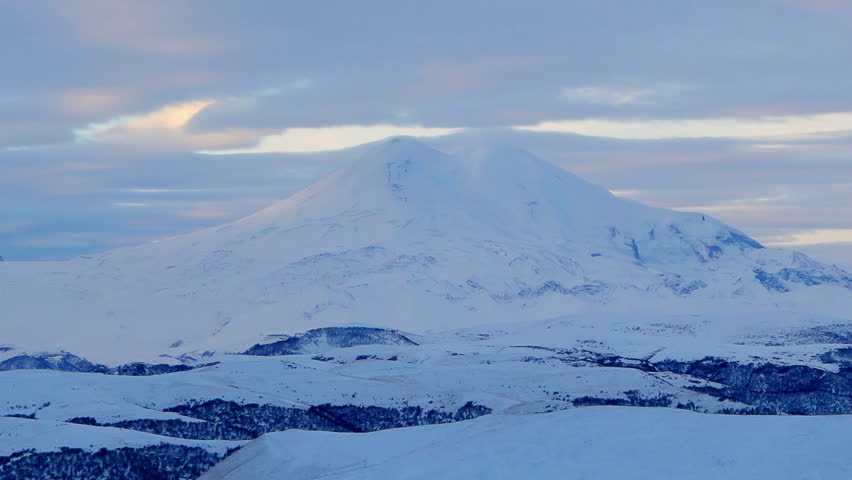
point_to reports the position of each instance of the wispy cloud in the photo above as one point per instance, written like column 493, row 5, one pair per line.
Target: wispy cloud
column 624, row 96
column 811, row 237
column 168, row 118
column 165, row 129
column 625, row 193
column 732, row 127
column 300, row 140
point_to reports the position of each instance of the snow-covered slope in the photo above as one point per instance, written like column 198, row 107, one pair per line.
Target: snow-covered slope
column 590, row 443
column 17, row 434
column 407, row 237
column 364, row 380
column 47, row 450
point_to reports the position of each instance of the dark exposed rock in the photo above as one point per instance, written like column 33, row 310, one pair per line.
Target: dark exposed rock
column 331, row 337
column 770, row 281
column 805, row 271
column 740, row 240
column 680, row 286
column 816, row 276
column 635, row 248
column 551, row 286
column 808, row 278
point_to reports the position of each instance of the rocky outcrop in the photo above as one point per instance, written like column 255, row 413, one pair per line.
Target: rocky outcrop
column 805, row 271
column 67, row 362
column 314, row 341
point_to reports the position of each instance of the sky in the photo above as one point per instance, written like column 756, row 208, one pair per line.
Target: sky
column 126, row 121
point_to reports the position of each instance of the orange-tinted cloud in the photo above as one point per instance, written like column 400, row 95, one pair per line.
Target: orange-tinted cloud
column 164, row 129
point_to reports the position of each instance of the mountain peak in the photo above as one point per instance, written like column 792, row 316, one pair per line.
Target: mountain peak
column 482, row 179
column 394, row 147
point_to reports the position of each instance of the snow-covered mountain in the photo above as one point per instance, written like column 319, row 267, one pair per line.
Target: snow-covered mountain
column 410, row 238
column 478, row 303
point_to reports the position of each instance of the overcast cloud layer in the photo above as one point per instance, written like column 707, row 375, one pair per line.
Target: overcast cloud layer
column 739, row 109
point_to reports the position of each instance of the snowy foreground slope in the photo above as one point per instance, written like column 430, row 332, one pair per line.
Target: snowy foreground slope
column 420, row 315
column 774, row 377
column 590, row 443
column 486, row 236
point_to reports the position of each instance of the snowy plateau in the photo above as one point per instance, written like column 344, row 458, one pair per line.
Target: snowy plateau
column 479, row 313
